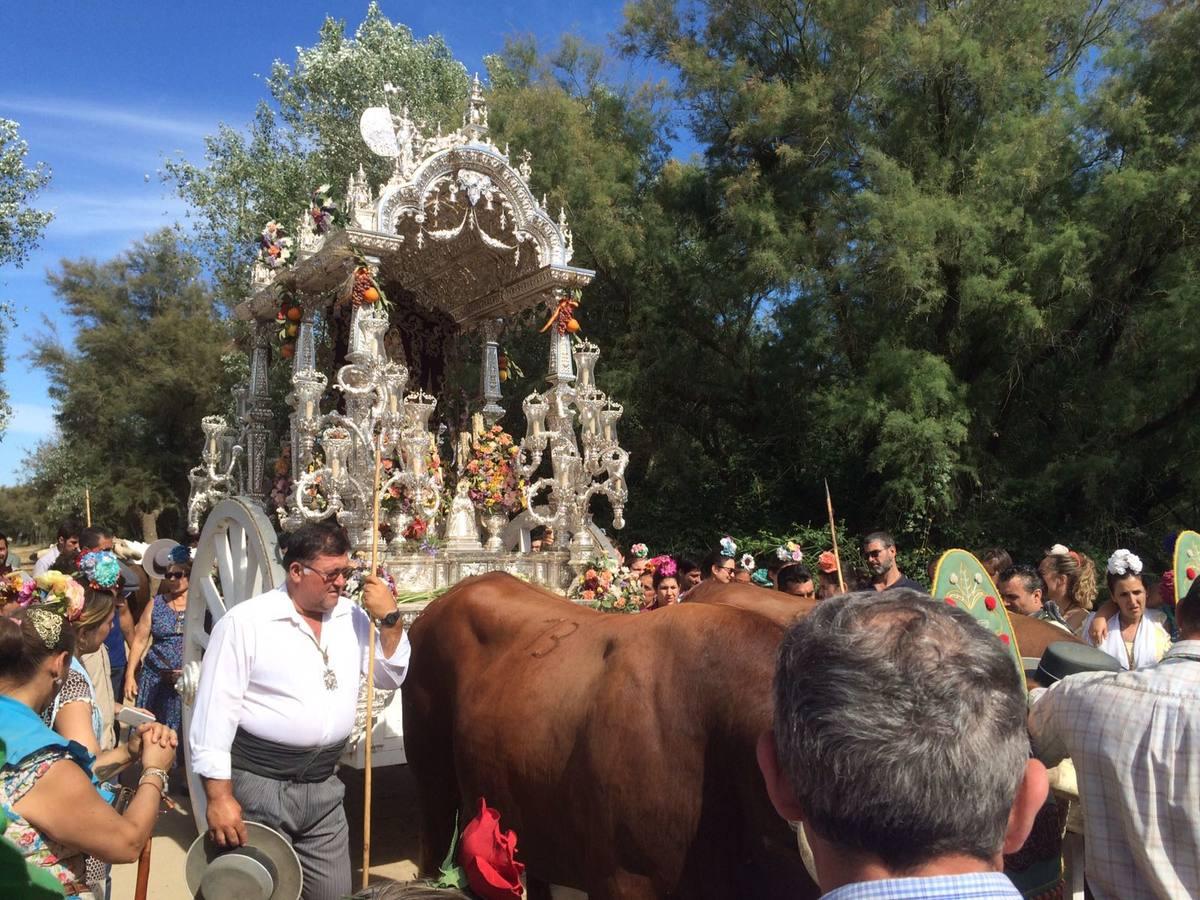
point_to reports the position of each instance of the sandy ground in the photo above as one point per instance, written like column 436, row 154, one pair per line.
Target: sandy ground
column 393, row 838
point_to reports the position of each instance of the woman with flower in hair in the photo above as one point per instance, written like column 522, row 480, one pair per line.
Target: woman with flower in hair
column 1070, row 579
column 666, row 582
column 55, row 817
column 1131, row 638
column 720, row 565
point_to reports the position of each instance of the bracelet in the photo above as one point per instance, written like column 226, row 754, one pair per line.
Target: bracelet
column 160, row 774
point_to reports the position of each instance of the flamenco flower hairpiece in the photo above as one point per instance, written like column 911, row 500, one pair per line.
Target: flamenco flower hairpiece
column 761, row 578
column 179, row 555
column 100, row 569
column 748, row 562
column 827, row 562
column 728, row 547
column 789, row 552
column 1123, row 562
column 639, row 551
column 664, row 566
column 61, row 593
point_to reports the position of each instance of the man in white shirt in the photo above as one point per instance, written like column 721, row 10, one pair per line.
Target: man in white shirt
column 68, row 539
column 1134, row 737
column 277, row 699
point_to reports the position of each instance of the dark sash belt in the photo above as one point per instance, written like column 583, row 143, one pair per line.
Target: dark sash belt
column 306, row 765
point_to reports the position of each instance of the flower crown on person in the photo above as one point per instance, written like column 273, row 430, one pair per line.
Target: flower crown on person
column 100, row 569
column 748, row 562
column 761, row 577
column 59, row 592
column 789, row 552
column 639, row 551
column 1123, row 562
column 663, row 565
column 728, row 547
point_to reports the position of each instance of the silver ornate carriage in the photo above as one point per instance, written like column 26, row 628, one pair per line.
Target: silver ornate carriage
column 462, row 245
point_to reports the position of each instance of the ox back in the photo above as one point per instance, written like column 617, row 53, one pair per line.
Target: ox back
column 621, row 749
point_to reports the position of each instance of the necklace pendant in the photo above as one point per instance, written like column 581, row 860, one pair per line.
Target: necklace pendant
column 330, row 680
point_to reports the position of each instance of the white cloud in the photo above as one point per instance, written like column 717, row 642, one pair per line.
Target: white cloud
column 112, row 117
column 79, row 214
column 32, row 419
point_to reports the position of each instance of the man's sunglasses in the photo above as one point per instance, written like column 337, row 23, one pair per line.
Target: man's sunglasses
column 330, row 577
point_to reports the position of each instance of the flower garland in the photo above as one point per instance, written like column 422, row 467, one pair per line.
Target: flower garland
column 607, row 587
column 323, row 210
column 274, row 246
column 492, row 482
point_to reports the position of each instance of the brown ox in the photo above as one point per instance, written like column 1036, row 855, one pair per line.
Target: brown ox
column 620, row 748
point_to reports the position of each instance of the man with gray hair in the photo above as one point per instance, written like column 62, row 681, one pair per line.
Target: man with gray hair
column 900, row 749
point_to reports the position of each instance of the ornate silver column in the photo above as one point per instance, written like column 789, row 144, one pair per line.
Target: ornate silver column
column 489, row 372
column 257, row 417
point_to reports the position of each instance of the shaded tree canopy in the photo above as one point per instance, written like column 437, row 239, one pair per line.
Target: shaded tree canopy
column 151, row 358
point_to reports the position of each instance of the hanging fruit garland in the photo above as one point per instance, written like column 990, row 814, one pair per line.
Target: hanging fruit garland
column 289, row 316
column 362, row 288
column 508, row 366
column 564, row 315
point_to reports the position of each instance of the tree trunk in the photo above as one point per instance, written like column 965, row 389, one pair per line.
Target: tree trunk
column 150, row 525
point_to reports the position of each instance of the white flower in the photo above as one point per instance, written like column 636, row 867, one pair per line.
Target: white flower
column 1123, row 562
column 1058, row 550
column 747, row 562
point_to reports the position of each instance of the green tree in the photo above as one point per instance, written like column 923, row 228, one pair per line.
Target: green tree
column 967, row 242
column 20, row 224
column 307, row 135
column 150, row 360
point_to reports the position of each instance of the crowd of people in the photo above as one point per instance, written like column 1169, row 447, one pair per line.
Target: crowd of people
column 864, row 788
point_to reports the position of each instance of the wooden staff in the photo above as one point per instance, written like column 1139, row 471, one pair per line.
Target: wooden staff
column 837, row 557
column 366, row 864
column 87, row 506
column 142, row 885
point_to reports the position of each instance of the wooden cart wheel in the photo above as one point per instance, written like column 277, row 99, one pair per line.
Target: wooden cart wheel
column 236, row 558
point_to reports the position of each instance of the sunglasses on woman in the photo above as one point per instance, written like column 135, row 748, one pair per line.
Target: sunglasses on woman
column 174, row 576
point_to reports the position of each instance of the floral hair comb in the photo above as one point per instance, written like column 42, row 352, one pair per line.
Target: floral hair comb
column 728, row 547
column 1123, row 562
column 639, row 551
column 748, row 562
column 100, row 569
column 789, row 552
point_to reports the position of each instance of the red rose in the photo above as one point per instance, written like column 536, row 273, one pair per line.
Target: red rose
column 488, row 856
column 990, row 602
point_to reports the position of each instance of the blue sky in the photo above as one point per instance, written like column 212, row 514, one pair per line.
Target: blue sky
column 105, row 90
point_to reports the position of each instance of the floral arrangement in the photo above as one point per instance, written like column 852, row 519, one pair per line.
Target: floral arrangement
column 1124, row 563
column 100, row 569
column 323, row 210
column 288, row 318
column 607, row 587
column 789, row 552
column 274, row 246
column 492, row 482
column 728, row 547
column 60, row 592
column 16, row 587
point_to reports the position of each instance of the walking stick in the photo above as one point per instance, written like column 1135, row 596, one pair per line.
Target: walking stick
column 142, row 886
column 87, row 506
column 837, row 557
column 366, row 864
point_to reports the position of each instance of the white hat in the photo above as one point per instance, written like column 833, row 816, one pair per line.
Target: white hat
column 264, row 868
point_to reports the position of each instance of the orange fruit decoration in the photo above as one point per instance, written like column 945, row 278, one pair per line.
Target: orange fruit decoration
column 370, row 295
column 294, row 313
column 572, row 325
column 287, row 351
